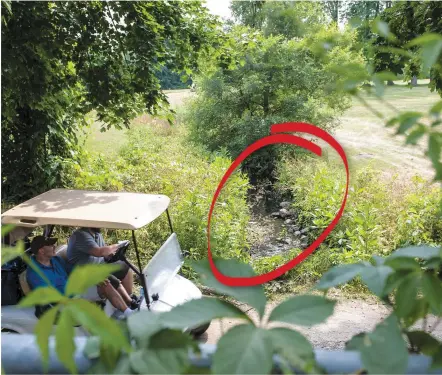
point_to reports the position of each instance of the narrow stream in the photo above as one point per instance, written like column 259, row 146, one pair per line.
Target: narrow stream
column 273, row 227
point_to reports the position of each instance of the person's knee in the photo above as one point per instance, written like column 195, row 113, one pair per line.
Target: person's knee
column 106, row 290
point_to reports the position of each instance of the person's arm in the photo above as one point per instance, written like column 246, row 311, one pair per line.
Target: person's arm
column 103, row 251
column 92, row 248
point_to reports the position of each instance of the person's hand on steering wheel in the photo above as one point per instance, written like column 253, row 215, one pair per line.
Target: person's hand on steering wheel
column 119, row 253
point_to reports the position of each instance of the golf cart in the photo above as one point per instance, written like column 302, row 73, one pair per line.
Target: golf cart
column 163, row 286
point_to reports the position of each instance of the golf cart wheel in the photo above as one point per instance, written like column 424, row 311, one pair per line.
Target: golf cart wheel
column 198, row 331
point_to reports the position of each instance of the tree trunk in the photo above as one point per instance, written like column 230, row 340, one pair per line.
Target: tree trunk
column 390, row 83
column 414, row 81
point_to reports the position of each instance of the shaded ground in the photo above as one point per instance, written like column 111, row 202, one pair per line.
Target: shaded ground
column 350, row 318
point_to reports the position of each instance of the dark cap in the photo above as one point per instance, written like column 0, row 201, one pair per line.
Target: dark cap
column 39, row 241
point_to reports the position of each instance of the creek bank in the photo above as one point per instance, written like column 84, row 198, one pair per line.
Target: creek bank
column 274, row 228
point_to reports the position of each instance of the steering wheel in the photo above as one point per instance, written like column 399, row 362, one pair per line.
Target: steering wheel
column 120, row 254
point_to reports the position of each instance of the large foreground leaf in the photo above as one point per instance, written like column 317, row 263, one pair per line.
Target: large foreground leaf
column 188, row 315
column 64, row 341
column 384, row 351
column 375, row 278
column 422, row 252
column 339, row 275
column 43, row 330
column 92, row 318
column 303, row 310
column 254, row 296
column 88, row 275
column 244, row 349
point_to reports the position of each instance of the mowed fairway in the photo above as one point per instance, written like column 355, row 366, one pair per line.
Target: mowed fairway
column 368, row 141
column 365, row 138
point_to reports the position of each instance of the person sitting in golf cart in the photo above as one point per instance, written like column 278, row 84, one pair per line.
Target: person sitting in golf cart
column 56, row 271
column 86, row 245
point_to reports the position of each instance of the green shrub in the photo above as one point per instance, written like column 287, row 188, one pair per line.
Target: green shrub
column 381, row 214
column 156, row 160
column 259, row 81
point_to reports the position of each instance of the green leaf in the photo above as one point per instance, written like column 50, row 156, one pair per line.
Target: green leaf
column 437, row 108
column 384, row 351
column 381, row 28
column 418, row 311
column 92, row 348
column 244, row 349
column 395, row 51
column 407, row 120
column 91, row 317
column 6, row 229
column 403, row 264
column 437, row 360
column 406, row 295
column 356, row 342
column 254, row 296
column 200, row 311
column 303, row 310
column 431, row 47
column 43, row 330
column 109, row 355
column 167, row 353
column 86, row 276
column 434, row 147
column 385, row 76
column 64, row 341
column 188, row 315
column 375, row 278
column 415, row 135
column 147, row 361
column 9, row 253
column 339, row 275
column 42, row 296
column 291, row 345
column 422, row 252
column 426, row 343
column 171, row 339
column 144, row 324
column 424, row 39
column 432, row 289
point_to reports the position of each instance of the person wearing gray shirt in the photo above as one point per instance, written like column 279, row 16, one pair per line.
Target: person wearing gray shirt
column 87, row 246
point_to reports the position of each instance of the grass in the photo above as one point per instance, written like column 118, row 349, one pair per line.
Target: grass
column 367, row 141
column 364, row 137
column 111, row 141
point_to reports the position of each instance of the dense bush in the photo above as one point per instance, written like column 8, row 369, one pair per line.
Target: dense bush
column 155, row 160
column 381, row 215
column 258, row 82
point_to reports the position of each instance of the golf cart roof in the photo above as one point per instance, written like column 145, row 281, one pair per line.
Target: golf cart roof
column 82, row 208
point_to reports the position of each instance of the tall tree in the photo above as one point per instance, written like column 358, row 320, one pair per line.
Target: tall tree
column 287, row 18
column 248, row 12
column 333, row 8
column 60, row 60
column 408, row 20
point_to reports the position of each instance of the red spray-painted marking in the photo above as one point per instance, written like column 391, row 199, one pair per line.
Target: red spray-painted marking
column 274, row 138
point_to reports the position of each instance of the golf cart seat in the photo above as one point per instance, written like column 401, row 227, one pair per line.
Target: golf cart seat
column 24, row 283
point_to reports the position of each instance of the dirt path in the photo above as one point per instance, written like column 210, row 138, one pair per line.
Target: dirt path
column 350, row 318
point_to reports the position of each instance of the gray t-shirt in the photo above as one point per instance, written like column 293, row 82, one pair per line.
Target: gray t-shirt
column 80, row 245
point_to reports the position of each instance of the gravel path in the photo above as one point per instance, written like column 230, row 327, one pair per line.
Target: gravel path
column 350, row 318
